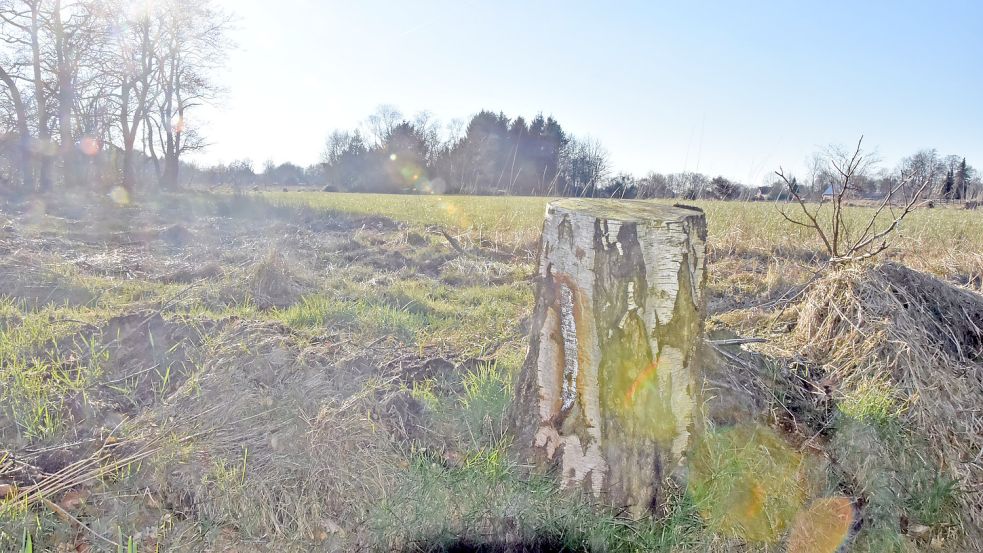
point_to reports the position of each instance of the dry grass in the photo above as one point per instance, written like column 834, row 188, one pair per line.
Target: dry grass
column 944, row 241
column 276, row 281
column 339, row 379
column 902, row 344
column 285, row 447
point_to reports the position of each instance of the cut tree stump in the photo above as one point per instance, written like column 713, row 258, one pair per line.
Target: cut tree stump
column 607, row 393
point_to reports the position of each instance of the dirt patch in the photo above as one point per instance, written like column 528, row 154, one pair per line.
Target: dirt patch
column 148, row 357
column 193, row 272
column 543, row 544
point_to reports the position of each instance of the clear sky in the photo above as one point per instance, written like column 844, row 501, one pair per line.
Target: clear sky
column 732, row 88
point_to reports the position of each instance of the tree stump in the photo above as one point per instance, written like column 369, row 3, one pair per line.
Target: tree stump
column 607, row 392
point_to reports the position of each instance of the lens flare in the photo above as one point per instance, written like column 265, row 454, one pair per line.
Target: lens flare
column 119, row 195
column 90, row 146
column 457, row 215
column 392, row 157
column 177, row 123
column 748, row 483
column 823, row 527
column 438, row 186
column 645, row 375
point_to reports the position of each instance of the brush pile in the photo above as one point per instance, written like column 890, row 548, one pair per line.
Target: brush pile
column 921, row 339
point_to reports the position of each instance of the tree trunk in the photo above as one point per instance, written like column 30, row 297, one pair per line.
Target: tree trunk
column 607, row 391
column 41, row 103
column 128, row 171
column 23, row 131
column 66, row 100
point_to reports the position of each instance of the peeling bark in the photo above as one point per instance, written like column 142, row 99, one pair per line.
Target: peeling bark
column 607, row 391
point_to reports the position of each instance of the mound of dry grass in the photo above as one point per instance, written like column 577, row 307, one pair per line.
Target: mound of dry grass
column 897, row 342
column 276, row 281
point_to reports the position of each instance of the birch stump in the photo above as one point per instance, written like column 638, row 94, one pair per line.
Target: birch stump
column 607, row 391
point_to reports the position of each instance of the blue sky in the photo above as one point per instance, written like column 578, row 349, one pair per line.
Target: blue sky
column 732, row 88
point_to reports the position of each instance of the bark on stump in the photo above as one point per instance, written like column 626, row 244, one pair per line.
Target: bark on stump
column 607, row 391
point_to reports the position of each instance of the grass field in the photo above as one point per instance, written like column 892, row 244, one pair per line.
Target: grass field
column 317, row 371
column 948, row 240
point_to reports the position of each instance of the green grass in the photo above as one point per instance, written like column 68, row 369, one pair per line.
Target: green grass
column 496, row 218
column 437, row 507
column 38, row 367
column 747, row 482
column 417, row 311
column 932, row 499
column 874, row 400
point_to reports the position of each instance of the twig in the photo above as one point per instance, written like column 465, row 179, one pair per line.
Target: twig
column 737, row 341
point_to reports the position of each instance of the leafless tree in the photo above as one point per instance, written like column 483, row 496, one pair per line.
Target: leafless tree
column 586, row 164
column 78, row 74
column 131, row 69
column 654, row 185
column 844, row 241
column 21, row 125
column 193, row 42
column 925, row 165
column 381, row 123
column 22, row 31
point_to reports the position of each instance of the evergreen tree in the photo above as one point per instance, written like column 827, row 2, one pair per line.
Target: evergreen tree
column 724, row 189
column 962, row 181
column 948, row 186
column 402, row 158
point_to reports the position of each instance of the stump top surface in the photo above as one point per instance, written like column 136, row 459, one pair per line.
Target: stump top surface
column 633, row 211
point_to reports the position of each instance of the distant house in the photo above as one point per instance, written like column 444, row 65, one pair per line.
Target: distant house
column 852, row 193
column 832, row 191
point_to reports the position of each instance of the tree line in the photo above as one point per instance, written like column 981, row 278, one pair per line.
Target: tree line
column 101, row 90
column 495, row 154
column 491, row 154
column 949, row 178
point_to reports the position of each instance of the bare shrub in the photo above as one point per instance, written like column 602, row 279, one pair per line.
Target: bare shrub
column 843, row 241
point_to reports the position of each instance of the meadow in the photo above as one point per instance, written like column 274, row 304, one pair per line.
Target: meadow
column 298, row 371
column 941, row 236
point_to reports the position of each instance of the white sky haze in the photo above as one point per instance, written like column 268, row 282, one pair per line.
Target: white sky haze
column 723, row 88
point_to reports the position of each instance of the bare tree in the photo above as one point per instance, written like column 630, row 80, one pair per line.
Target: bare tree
column 724, row 189
column 23, row 131
column 75, row 47
column 130, row 66
column 57, row 47
column 843, row 241
column 381, row 123
column 78, row 74
column 654, row 185
column 925, row 165
column 193, row 41
column 22, row 30
column 587, row 164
